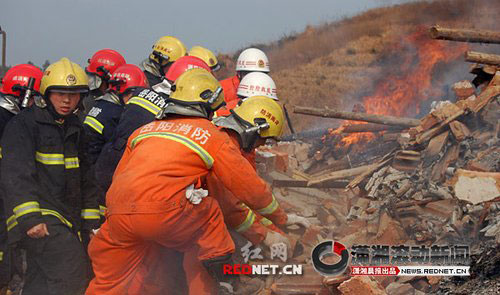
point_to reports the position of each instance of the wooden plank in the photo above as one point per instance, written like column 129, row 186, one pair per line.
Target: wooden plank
column 465, row 35
column 439, row 170
column 482, row 58
column 379, row 119
column 341, row 174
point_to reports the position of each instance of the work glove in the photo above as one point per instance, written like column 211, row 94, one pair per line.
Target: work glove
column 295, row 219
column 277, row 242
column 195, row 196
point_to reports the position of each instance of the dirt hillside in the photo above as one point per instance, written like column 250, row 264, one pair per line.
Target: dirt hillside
column 337, row 63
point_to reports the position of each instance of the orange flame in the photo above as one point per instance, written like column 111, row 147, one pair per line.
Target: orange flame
column 401, row 94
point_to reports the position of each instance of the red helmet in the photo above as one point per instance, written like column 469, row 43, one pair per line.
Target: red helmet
column 126, row 77
column 183, row 64
column 109, row 59
column 19, row 75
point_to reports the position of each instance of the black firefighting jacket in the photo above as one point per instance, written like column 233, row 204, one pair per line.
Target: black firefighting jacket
column 101, row 122
column 45, row 173
column 140, row 110
column 8, row 109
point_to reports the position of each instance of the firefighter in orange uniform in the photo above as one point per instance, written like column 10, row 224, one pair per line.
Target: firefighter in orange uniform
column 242, row 127
column 246, row 127
column 158, row 196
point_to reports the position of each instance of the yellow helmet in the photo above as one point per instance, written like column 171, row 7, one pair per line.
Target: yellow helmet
column 167, row 49
column 64, row 75
column 263, row 113
column 198, row 87
column 206, row 55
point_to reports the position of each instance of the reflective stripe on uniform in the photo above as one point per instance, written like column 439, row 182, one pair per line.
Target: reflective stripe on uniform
column 0, row 152
column 70, row 163
column 12, row 221
column 146, row 104
column 91, row 214
column 49, row 159
column 58, row 215
column 269, row 209
column 94, row 124
column 26, row 208
column 204, row 155
column 57, row 159
column 265, row 222
column 245, row 225
column 102, row 210
column 1, row 256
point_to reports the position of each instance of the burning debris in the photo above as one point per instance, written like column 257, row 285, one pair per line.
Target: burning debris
column 433, row 180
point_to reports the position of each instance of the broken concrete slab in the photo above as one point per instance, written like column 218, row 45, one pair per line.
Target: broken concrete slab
column 476, row 187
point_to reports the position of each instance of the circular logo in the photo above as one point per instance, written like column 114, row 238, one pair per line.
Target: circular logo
column 71, row 79
column 261, row 63
column 330, row 247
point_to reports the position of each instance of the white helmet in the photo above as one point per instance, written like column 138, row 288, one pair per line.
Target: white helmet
column 252, row 60
column 257, row 84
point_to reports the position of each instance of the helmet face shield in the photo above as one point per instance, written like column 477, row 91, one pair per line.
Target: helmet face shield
column 215, row 68
column 94, row 82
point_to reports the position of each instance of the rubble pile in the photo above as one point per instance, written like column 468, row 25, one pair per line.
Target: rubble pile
column 434, row 183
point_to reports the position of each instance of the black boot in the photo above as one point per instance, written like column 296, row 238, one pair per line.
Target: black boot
column 215, row 268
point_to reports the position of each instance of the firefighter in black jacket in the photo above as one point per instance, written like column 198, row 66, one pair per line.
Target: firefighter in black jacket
column 14, row 94
column 50, row 197
column 103, row 118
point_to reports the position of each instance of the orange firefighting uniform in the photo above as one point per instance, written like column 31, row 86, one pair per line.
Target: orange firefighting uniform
column 238, row 216
column 253, row 226
column 147, row 203
column 230, row 88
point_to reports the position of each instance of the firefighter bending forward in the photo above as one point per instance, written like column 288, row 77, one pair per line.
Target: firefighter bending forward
column 157, row 198
column 49, row 194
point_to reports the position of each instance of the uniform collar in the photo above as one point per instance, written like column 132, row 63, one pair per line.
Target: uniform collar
column 42, row 115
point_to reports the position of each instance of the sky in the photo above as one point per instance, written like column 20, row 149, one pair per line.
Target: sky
column 39, row 30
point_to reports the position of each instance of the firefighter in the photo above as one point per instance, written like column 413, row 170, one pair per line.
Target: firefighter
column 141, row 109
column 15, row 94
column 103, row 118
column 99, row 70
column 241, row 126
column 49, row 194
column 164, row 201
column 165, row 51
column 249, row 60
column 253, row 84
column 207, row 56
